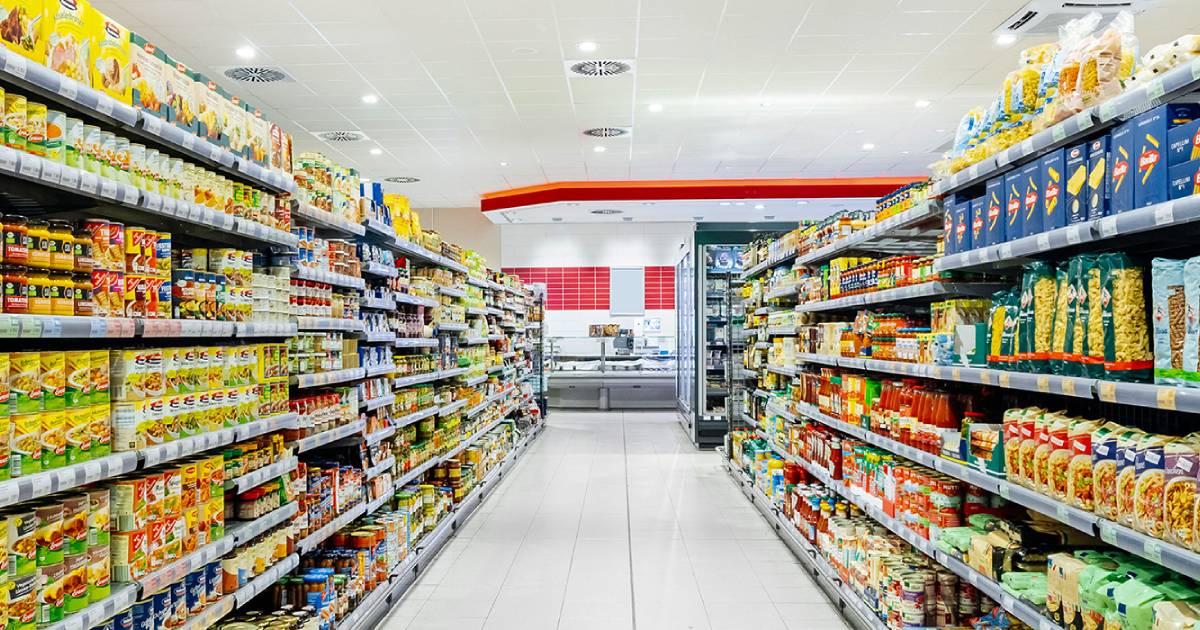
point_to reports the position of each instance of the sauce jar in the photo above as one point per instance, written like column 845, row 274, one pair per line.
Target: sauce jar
column 38, row 292
column 62, row 294
column 16, row 284
column 16, row 239
column 38, row 242
column 62, row 246
column 81, row 288
column 82, row 261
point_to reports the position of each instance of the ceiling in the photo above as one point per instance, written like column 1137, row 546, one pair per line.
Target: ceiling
column 694, row 210
column 474, row 97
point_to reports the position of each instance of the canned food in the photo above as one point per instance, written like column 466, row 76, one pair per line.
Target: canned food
column 163, row 609
column 196, row 591
column 99, row 573
column 54, row 439
column 75, row 584
column 22, row 542
column 73, row 142
column 49, row 533
column 14, row 121
column 121, row 159
column 56, row 124
column 142, row 614
column 23, row 602
column 50, row 597
column 212, row 581
column 123, row 620
column 35, row 128
column 129, row 555
column 99, row 516
column 179, row 606
column 92, row 155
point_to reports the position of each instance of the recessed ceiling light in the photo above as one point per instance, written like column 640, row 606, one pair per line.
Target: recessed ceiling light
column 524, row 51
column 759, row 206
column 504, row 164
column 587, row 46
column 904, row 152
column 921, row 104
column 365, row 180
column 1004, row 39
column 648, row 203
column 939, row 131
column 245, row 52
column 802, row 202
column 724, row 203
column 599, row 149
column 764, row 104
column 400, row 179
column 376, row 151
column 607, row 211
column 370, row 99
column 867, row 146
column 655, row 107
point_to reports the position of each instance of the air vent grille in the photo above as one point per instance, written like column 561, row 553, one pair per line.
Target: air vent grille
column 257, row 74
column 402, row 180
column 606, row 132
column 342, row 136
column 600, row 67
column 606, row 211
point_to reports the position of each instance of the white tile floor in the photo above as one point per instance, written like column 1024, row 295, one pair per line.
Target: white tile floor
column 612, row 520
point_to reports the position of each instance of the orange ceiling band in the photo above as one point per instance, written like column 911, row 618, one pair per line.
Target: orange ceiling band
column 678, row 190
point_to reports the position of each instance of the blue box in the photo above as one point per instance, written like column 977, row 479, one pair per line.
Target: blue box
column 1031, row 199
column 948, row 228
column 1075, row 170
column 1183, row 143
column 1150, row 145
column 1185, row 179
column 993, row 216
column 962, row 226
column 1052, row 169
column 1013, row 223
column 978, row 208
column 1099, row 179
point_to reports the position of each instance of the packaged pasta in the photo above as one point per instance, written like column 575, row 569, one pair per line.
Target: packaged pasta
column 1058, row 341
column 1029, row 428
column 1007, row 359
column 1073, row 37
column 1047, row 425
column 1043, row 287
column 1150, row 467
column 1127, row 355
column 1190, row 373
column 1104, row 469
column 995, row 330
column 1127, row 450
column 1075, row 328
column 1181, row 467
column 1169, row 319
column 1079, row 469
column 1012, row 444
column 1091, row 309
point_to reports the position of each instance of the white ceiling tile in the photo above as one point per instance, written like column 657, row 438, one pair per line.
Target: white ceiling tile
column 567, row 9
column 530, row 68
column 824, row 44
column 484, row 9
column 517, row 29
column 304, row 54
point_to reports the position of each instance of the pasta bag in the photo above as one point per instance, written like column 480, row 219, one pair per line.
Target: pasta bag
column 1180, row 471
column 1093, row 340
column 1169, row 319
column 1050, row 424
column 1127, row 355
column 1073, row 39
column 1105, row 452
column 1150, row 467
column 1059, row 459
column 1012, row 443
column 1076, row 331
column 1127, row 450
column 1191, row 338
column 1043, row 289
column 1030, row 422
column 1079, row 468
column 1062, row 313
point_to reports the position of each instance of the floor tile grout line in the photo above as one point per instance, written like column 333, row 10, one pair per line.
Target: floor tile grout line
column 628, row 523
column 575, row 545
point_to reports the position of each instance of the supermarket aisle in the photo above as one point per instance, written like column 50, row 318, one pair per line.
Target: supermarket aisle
column 613, row 521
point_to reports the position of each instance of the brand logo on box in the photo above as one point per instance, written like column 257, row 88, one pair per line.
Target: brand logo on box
column 1120, row 169
column 1031, row 199
column 993, row 211
column 1052, row 190
column 112, row 29
column 976, row 225
column 1147, row 160
column 1014, row 206
column 960, row 230
column 70, row 5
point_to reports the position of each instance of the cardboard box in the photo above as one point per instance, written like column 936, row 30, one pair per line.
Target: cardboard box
column 947, row 229
column 994, row 213
column 1013, row 225
column 978, row 208
column 1183, row 143
column 1031, row 199
column 110, row 55
column 1150, row 139
column 1052, row 170
column 67, row 50
column 1075, row 169
column 148, row 76
column 1099, row 179
column 179, row 93
column 29, row 38
column 1121, row 168
column 1184, row 179
column 962, row 226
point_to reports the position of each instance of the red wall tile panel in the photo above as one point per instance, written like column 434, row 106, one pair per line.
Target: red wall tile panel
column 587, row 288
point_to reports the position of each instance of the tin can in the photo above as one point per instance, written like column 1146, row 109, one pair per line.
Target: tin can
column 196, row 591
column 163, row 608
column 92, row 154
column 137, row 165
column 49, row 533
column 23, row 602
column 108, row 155
column 72, row 142
column 75, row 584
column 14, row 121
column 142, row 614
column 35, row 128
column 75, row 523
column 107, row 625
column 56, row 125
column 22, row 543
column 99, row 573
column 50, row 598
column 121, row 159
column 212, row 581
column 54, row 439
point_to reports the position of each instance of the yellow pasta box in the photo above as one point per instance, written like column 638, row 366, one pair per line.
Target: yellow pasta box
column 110, row 55
column 147, row 76
column 23, row 27
column 68, row 46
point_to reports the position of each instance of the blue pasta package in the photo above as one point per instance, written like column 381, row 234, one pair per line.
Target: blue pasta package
column 1031, row 199
column 1075, row 168
column 1051, row 169
column 1012, row 205
column 994, row 213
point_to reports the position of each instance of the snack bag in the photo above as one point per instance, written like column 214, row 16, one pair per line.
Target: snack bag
column 1191, row 339
column 1127, row 355
column 1049, row 424
column 1059, row 458
column 1012, row 444
column 1030, row 425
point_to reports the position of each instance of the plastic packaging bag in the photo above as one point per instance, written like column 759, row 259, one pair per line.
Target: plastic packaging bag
column 1063, row 296
column 1127, row 355
column 1191, row 338
column 1169, row 319
column 1073, row 38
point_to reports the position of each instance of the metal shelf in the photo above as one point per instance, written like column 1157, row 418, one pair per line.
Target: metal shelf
column 262, row 475
column 767, row 264
column 381, row 467
column 372, row 404
column 325, row 437
column 924, row 290
column 888, row 235
column 379, row 270
column 323, row 379
column 406, row 420
column 329, row 323
column 328, row 277
column 416, row 300
column 325, row 220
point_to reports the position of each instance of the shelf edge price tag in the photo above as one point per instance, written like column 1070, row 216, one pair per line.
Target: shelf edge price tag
column 985, row 377
column 1108, row 227
column 51, row 172
column 1058, row 133
column 1108, row 533
column 1165, row 398
column 68, row 88
column 31, row 327
column 41, row 484
column 9, row 326
column 1108, row 391
column 1073, row 235
column 1164, row 213
column 152, row 124
column 1043, row 384
column 1068, row 386
column 1006, row 250
column 1154, row 89
column 16, row 65
column 108, row 188
column 1153, row 550
column 1063, row 513
column 1005, row 379
column 105, row 104
column 1005, row 493
column 31, row 166
column 1084, row 120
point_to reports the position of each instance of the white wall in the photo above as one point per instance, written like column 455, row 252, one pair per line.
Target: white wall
column 592, row 245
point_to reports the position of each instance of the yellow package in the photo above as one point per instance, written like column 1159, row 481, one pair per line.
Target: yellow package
column 110, row 55
column 23, row 27
column 237, row 128
column 147, row 77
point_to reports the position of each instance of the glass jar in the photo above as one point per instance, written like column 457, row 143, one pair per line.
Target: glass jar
column 16, row 284
column 62, row 246
column 82, row 260
column 61, row 291
column 82, row 288
column 16, row 239
column 38, row 242
column 38, row 292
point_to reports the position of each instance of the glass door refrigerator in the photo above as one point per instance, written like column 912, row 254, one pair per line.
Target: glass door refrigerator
column 712, row 337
